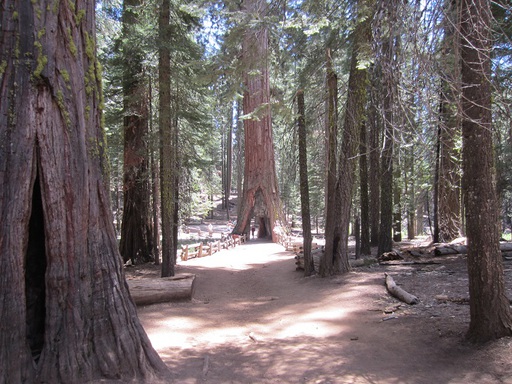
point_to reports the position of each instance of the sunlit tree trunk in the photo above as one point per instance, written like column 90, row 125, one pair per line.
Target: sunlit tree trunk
column 490, row 314
column 66, row 314
column 260, row 191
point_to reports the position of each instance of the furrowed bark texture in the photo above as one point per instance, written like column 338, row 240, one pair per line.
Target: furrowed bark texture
column 136, row 232
column 70, row 320
column 490, row 315
column 260, row 191
column 354, row 117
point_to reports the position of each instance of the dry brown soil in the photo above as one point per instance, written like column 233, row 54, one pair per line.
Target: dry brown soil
column 256, row 319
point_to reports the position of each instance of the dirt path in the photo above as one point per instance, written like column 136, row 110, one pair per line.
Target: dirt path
column 255, row 319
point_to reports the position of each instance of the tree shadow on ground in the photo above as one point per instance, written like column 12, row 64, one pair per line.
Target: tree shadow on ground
column 255, row 319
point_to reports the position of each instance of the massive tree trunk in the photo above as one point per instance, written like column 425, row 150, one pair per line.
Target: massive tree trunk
column 167, row 162
column 490, row 314
column 309, row 267
column 136, row 235
column 66, row 314
column 260, row 192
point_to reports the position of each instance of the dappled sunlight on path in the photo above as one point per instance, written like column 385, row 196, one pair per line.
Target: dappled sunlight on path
column 255, row 319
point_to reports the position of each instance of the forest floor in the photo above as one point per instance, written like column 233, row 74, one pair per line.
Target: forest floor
column 254, row 318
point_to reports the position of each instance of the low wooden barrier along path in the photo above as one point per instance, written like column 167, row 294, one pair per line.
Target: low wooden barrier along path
column 189, row 251
column 295, row 244
column 180, row 287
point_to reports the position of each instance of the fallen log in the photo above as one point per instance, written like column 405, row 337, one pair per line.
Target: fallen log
column 388, row 256
column 414, row 262
column 454, row 249
column 450, row 250
column 160, row 290
column 398, row 292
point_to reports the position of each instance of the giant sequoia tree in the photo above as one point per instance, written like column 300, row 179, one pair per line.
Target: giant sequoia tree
column 490, row 313
column 136, row 231
column 260, row 191
column 66, row 315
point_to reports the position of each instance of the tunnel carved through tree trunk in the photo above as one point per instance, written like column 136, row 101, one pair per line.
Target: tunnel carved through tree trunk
column 260, row 191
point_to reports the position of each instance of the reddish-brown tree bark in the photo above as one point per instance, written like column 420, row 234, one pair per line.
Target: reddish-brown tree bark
column 260, row 191
column 136, row 242
column 66, row 315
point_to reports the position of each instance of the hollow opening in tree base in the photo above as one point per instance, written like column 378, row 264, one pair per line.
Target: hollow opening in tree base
column 35, row 270
column 263, row 230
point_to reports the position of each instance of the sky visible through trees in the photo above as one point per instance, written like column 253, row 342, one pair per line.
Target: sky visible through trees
column 412, row 61
column 407, row 99
column 198, row 102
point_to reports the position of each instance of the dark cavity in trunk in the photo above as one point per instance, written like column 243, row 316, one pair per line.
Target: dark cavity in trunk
column 35, row 269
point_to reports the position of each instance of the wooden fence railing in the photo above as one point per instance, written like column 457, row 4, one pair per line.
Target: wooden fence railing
column 189, row 251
